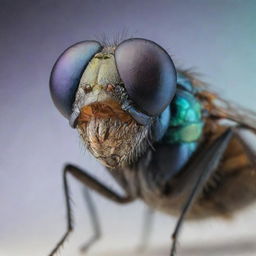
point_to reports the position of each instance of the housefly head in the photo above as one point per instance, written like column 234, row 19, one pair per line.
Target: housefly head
column 112, row 95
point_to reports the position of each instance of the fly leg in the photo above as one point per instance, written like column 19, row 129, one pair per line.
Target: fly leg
column 94, row 220
column 92, row 183
column 206, row 162
column 146, row 229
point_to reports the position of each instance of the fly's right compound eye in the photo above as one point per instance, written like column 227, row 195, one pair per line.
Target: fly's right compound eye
column 67, row 72
column 148, row 74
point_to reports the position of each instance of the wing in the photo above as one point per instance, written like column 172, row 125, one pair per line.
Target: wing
column 218, row 108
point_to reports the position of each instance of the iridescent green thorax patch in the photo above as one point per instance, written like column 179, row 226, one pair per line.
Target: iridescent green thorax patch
column 186, row 121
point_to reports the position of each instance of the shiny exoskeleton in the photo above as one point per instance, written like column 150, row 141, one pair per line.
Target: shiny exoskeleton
column 157, row 131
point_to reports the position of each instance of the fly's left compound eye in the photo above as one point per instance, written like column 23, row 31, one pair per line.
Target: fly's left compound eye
column 148, row 74
column 66, row 74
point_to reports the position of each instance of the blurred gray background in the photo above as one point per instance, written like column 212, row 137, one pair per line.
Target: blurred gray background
column 215, row 38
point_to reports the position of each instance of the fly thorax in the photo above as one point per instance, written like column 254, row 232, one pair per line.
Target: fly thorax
column 186, row 123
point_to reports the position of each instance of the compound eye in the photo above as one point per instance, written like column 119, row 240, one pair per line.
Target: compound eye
column 66, row 74
column 148, row 74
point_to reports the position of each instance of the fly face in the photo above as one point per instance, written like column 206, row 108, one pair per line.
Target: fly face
column 109, row 132
column 116, row 96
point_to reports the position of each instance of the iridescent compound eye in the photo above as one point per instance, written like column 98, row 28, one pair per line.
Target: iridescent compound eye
column 148, row 74
column 66, row 74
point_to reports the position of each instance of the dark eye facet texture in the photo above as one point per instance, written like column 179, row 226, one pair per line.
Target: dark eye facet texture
column 67, row 71
column 148, row 74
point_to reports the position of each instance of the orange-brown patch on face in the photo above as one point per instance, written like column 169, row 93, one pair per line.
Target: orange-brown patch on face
column 111, row 134
column 103, row 110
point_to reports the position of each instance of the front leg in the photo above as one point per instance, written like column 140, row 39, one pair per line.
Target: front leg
column 92, row 183
column 205, row 162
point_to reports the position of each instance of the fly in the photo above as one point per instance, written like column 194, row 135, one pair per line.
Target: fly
column 157, row 131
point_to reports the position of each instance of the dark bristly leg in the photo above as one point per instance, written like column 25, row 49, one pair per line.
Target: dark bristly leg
column 207, row 162
column 146, row 229
column 69, row 215
column 92, row 183
column 94, row 220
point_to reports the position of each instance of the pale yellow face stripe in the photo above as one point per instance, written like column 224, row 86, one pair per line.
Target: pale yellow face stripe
column 101, row 70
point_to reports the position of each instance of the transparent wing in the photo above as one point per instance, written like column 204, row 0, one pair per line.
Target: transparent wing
column 219, row 108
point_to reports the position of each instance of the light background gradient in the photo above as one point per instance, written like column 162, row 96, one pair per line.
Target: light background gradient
column 215, row 38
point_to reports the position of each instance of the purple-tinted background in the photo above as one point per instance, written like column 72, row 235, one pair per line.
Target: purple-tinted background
column 216, row 38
